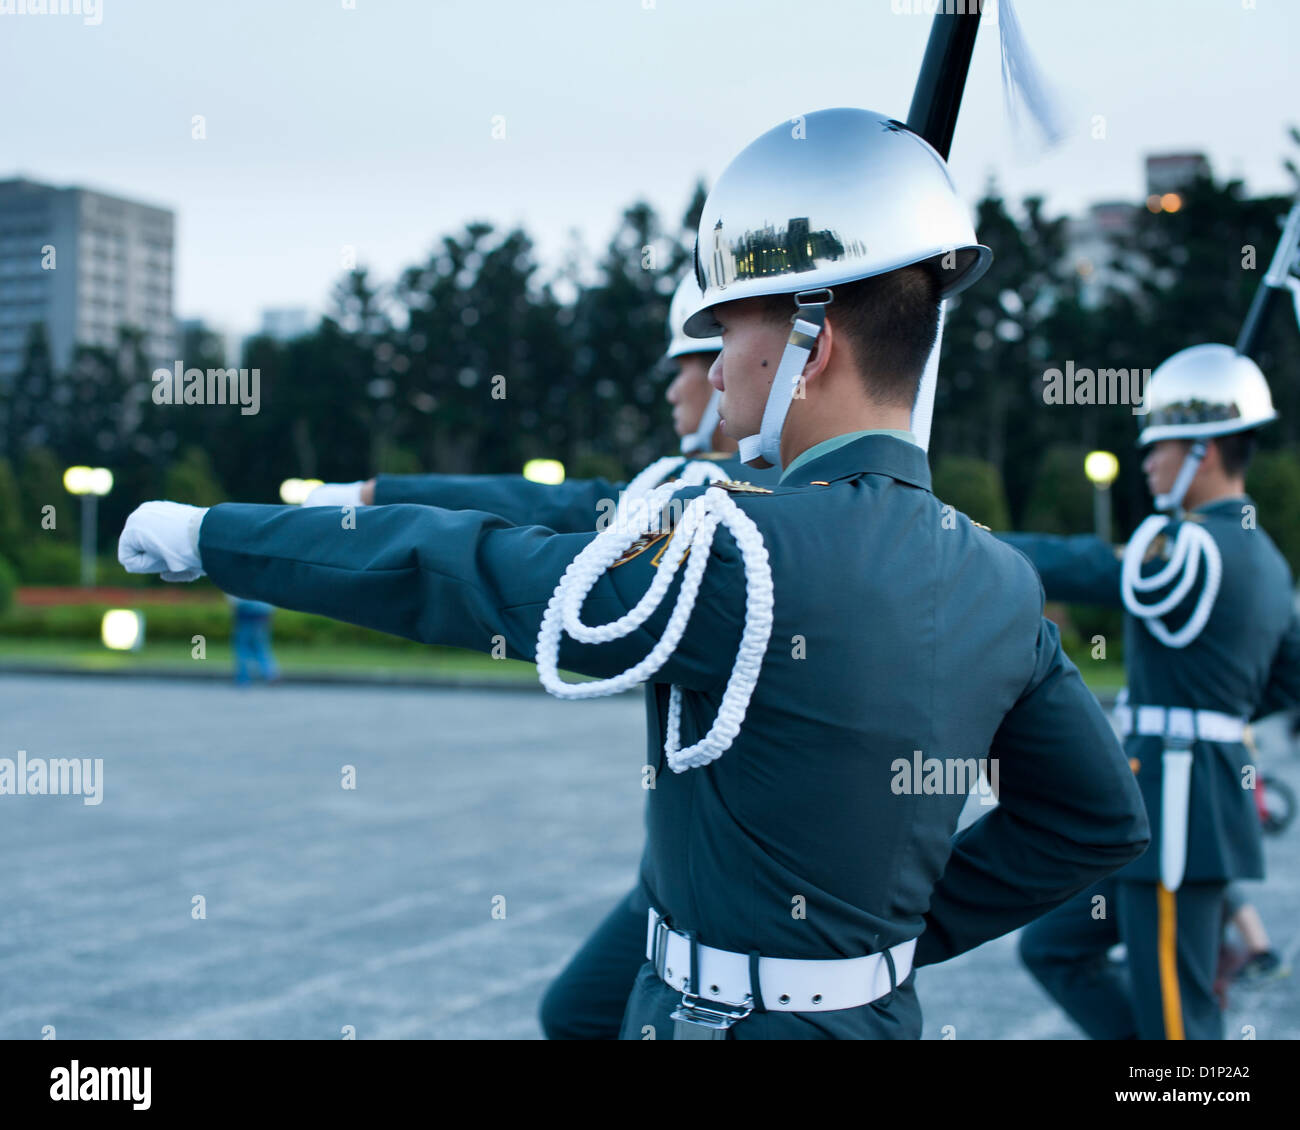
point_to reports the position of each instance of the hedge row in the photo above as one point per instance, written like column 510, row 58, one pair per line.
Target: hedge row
column 183, row 622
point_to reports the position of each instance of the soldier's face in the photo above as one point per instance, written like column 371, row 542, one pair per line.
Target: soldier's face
column 690, row 391
column 752, row 344
column 1162, row 462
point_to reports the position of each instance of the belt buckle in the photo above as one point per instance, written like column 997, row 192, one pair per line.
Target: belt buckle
column 660, row 950
column 696, row 1019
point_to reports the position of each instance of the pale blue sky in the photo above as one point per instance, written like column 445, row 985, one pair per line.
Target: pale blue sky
column 372, row 126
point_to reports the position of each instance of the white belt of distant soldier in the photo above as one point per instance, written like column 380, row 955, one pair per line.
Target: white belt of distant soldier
column 695, row 531
column 1179, row 722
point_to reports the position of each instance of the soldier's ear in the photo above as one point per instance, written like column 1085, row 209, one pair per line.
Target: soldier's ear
column 823, row 347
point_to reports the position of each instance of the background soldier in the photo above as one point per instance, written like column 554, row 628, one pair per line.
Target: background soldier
column 586, row 1001
column 579, row 504
column 828, row 629
column 1210, row 642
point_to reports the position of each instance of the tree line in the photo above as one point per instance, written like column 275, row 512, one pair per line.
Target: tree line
column 478, row 358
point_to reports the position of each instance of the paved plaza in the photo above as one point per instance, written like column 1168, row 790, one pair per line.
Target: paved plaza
column 487, row 832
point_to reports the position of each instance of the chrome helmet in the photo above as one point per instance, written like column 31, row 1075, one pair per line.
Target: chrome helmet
column 1202, row 392
column 826, row 198
column 686, row 300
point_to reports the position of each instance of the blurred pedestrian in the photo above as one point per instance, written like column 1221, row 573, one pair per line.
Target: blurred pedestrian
column 250, row 637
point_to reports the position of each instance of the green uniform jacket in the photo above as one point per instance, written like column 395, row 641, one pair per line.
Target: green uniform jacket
column 898, row 627
column 1245, row 662
column 573, row 506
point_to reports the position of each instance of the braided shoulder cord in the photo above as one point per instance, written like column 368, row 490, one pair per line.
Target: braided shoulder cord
column 689, row 472
column 694, row 532
column 1193, row 545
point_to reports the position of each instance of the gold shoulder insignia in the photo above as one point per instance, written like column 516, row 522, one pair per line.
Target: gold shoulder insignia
column 981, row 525
column 638, row 547
column 734, row 487
column 1157, row 548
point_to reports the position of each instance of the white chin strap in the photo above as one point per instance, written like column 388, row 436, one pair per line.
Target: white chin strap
column 1186, row 473
column 807, row 324
column 923, row 408
column 702, row 438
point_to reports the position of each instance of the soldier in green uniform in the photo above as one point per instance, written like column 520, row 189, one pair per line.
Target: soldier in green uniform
column 828, row 660
column 586, row 1001
column 1210, row 642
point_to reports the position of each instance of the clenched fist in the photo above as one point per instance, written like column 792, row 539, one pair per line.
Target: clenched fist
column 162, row 537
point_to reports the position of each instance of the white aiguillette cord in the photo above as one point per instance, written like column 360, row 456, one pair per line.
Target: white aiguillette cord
column 1192, row 545
column 694, row 532
column 690, row 472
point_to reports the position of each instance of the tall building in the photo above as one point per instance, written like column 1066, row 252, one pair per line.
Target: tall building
column 85, row 264
column 1169, row 172
column 1093, row 244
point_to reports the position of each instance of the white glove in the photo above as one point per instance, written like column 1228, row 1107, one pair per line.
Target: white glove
column 162, row 537
column 335, row 494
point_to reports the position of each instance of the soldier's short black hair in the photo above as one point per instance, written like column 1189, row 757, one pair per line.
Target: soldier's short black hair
column 890, row 322
column 1236, row 451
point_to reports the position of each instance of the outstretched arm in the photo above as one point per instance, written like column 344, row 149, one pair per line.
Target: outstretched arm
column 1080, row 570
column 574, row 506
column 463, row 578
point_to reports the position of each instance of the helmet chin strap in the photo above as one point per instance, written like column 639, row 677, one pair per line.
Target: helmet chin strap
column 702, row 438
column 807, row 323
column 923, row 408
column 1173, row 500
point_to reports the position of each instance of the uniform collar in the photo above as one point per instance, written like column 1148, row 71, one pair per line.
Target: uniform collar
column 1233, row 502
column 874, row 452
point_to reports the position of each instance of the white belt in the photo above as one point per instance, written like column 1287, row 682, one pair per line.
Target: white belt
column 1179, row 722
column 788, row 984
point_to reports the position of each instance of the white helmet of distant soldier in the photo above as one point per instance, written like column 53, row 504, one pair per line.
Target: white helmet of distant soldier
column 686, row 300
column 824, row 199
column 1202, row 392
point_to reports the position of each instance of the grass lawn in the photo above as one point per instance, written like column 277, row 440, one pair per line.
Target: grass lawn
column 1103, row 678
column 433, row 662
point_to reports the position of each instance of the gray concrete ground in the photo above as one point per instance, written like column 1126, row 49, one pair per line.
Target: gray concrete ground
column 371, row 907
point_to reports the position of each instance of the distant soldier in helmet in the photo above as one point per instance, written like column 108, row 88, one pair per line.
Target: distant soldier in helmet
column 1210, row 642
column 586, row 1001
column 580, row 504
column 829, row 660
